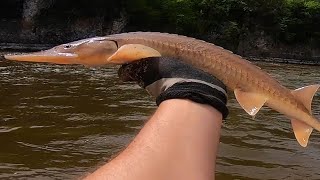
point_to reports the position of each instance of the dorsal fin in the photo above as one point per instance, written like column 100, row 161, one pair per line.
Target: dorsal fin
column 305, row 95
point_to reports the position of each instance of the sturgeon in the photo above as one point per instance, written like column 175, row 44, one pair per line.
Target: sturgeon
column 252, row 87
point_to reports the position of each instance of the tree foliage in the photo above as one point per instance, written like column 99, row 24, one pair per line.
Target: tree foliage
column 288, row 21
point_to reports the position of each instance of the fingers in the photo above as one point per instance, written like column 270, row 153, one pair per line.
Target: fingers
column 125, row 72
column 138, row 71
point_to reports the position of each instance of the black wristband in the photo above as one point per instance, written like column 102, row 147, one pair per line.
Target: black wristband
column 196, row 92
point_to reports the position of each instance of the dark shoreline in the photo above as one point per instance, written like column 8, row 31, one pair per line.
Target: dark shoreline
column 285, row 61
column 15, row 47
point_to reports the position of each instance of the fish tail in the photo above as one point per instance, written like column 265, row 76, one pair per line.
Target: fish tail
column 302, row 130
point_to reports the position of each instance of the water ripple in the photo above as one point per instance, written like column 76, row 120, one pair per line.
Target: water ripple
column 59, row 122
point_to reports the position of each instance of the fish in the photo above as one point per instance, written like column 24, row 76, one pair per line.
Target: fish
column 253, row 87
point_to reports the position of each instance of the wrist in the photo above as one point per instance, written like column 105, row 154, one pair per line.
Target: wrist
column 190, row 108
column 197, row 93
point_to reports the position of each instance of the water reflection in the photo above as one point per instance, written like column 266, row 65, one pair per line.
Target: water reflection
column 61, row 121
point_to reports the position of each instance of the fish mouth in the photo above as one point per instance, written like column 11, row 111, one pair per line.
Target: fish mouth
column 45, row 57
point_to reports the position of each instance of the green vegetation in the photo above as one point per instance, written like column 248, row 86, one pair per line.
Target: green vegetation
column 287, row 21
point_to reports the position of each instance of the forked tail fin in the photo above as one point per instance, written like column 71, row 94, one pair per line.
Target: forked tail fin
column 301, row 130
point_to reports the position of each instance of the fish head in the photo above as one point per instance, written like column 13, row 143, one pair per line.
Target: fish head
column 89, row 52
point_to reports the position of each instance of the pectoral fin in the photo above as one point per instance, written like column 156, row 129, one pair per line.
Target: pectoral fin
column 249, row 101
column 302, row 132
column 132, row 52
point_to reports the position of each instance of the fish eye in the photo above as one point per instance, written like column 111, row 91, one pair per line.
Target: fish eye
column 67, row 46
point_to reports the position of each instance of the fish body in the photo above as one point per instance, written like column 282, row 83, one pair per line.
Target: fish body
column 253, row 87
column 234, row 71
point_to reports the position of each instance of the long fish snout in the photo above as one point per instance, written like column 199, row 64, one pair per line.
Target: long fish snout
column 48, row 56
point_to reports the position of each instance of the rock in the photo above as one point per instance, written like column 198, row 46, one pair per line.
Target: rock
column 57, row 21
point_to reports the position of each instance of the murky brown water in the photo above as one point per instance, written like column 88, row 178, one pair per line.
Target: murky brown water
column 59, row 122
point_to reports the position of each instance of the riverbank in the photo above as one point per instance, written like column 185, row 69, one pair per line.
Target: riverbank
column 285, row 61
column 24, row 47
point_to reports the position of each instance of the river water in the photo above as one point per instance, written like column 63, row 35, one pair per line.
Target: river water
column 60, row 122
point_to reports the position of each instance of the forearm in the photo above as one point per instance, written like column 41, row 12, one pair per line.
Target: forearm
column 180, row 141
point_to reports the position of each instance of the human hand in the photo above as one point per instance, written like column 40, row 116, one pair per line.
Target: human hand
column 167, row 78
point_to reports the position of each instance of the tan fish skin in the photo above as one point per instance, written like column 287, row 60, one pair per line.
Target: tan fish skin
column 253, row 87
